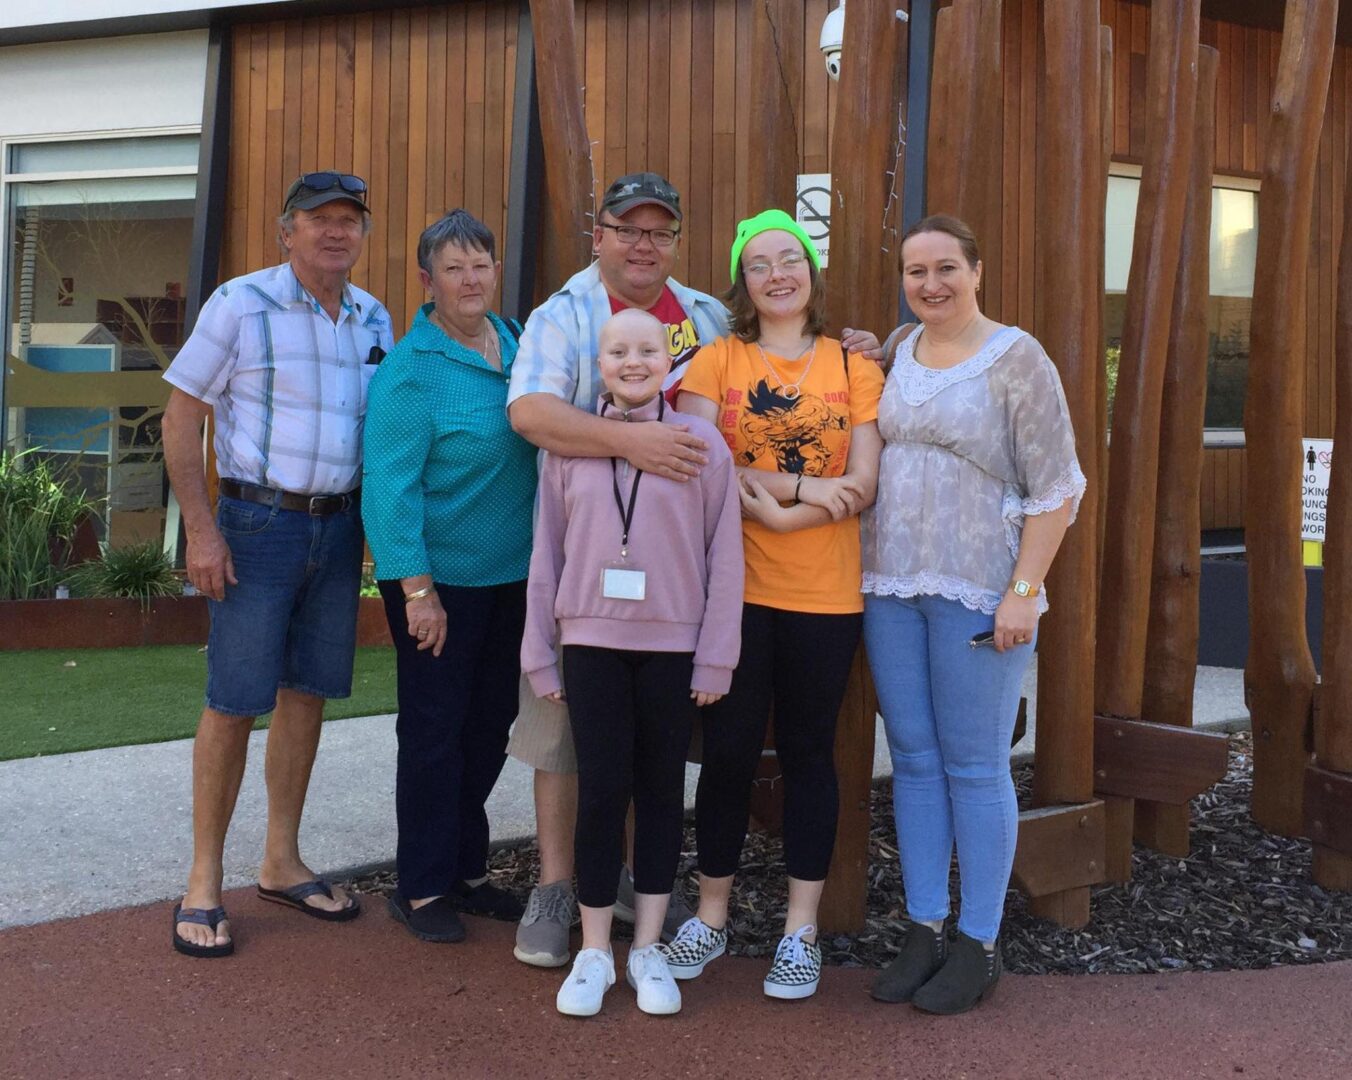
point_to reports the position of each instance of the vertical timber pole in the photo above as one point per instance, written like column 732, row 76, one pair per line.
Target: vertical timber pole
column 563, row 127
column 967, row 142
column 1069, row 255
column 1171, row 639
column 862, row 154
column 521, row 244
column 1333, row 720
column 1279, row 673
column 772, row 180
column 772, row 171
column 1124, row 599
column 919, row 65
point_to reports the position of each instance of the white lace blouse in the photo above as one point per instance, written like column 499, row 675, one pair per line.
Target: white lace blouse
column 969, row 452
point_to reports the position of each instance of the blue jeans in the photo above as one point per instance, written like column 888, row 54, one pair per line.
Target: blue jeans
column 291, row 622
column 949, row 711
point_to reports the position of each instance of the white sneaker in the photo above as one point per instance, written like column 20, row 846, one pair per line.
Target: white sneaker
column 648, row 974
column 592, row 975
column 695, row 944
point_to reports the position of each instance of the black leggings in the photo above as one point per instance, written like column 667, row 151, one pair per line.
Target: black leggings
column 798, row 662
column 632, row 716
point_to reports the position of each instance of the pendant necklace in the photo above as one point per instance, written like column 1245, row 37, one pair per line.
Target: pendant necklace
column 787, row 389
column 488, row 337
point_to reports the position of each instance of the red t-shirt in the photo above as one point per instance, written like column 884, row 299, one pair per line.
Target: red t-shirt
column 682, row 340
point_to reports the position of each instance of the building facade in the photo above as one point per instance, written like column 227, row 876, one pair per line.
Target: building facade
column 147, row 144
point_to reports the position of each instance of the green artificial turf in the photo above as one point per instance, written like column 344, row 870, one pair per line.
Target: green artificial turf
column 54, row 701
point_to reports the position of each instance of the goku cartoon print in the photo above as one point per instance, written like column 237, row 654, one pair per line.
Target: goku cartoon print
column 808, row 433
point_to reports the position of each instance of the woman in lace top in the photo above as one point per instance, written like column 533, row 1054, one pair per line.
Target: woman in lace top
column 977, row 484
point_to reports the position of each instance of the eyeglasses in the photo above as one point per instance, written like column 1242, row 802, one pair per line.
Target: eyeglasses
column 787, row 265
column 327, row 181
column 629, row 235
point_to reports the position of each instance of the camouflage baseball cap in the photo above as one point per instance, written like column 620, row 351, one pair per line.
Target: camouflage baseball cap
column 641, row 189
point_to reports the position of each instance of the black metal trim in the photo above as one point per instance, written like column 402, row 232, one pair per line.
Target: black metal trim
column 521, row 244
column 919, row 66
column 213, row 157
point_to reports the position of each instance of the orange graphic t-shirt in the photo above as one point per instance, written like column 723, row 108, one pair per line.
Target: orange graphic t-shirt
column 770, row 425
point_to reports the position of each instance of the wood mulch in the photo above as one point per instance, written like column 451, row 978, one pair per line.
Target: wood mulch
column 1242, row 899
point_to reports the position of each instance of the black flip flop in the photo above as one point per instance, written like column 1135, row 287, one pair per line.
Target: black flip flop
column 210, row 917
column 294, row 897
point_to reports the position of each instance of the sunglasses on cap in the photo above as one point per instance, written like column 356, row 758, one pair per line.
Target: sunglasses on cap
column 327, row 181
column 318, row 183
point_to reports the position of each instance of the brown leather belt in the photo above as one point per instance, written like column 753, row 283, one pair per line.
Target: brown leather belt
column 314, row 505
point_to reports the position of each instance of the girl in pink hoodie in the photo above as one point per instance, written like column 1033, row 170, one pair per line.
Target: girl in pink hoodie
column 636, row 586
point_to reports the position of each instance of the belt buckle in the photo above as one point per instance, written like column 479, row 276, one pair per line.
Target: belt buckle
column 315, row 500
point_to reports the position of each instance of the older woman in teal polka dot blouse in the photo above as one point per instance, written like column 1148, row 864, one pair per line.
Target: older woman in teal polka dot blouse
column 447, row 498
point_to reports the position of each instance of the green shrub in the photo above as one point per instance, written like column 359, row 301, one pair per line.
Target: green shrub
column 41, row 506
column 368, row 580
column 141, row 571
column 1112, row 360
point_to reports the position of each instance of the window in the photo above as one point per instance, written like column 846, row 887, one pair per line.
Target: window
column 1234, row 246
column 99, row 234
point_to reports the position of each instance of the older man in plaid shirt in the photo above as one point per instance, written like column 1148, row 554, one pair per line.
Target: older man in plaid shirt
column 281, row 358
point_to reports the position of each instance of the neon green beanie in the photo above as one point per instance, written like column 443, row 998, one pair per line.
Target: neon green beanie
column 765, row 221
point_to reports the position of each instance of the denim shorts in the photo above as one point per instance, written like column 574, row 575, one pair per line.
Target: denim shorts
column 291, row 622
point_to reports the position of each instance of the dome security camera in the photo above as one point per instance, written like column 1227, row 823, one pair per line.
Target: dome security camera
column 832, row 39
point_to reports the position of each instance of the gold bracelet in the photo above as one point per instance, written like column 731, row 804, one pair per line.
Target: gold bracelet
column 418, row 594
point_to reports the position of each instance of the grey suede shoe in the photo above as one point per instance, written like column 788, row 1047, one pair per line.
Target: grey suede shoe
column 678, row 911
column 920, row 959
column 542, row 934
column 968, row 975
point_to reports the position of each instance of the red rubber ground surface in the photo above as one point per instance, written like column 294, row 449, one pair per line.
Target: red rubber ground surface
column 105, row 996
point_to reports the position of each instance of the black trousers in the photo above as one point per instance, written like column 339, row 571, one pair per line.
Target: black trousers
column 799, row 663
column 454, row 715
column 632, row 716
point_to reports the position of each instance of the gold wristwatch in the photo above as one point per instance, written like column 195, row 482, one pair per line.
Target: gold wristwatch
column 1024, row 588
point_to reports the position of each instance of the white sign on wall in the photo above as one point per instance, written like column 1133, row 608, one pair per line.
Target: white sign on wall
column 1317, row 457
column 813, row 210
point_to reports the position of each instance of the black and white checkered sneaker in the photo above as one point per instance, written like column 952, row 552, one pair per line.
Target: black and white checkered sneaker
column 797, row 968
column 695, row 944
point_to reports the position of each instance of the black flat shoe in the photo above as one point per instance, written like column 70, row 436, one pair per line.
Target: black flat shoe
column 436, row 921
column 487, row 900
column 919, row 960
column 968, row 975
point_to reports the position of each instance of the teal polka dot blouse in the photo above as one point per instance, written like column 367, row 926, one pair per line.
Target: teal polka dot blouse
column 448, row 487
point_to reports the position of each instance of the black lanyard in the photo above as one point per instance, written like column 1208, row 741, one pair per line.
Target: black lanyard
column 627, row 514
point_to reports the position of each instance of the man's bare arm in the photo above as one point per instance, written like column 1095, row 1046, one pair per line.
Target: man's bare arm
column 551, row 423
column 210, row 567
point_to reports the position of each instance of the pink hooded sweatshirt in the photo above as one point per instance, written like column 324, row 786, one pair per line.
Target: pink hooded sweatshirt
column 686, row 537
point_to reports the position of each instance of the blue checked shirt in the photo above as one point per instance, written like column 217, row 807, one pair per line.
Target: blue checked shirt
column 559, row 345
column 287, row 384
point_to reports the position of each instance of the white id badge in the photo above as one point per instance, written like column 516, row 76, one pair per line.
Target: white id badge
column 623, row 583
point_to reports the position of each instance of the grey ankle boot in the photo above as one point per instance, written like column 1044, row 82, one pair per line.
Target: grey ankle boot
column 922, row 955
column 968, row 975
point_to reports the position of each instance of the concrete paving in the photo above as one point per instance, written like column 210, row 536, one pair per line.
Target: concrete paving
column 111, row 828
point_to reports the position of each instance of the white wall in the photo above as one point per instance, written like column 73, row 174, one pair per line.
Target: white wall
column 103, row 84
column 14, row 14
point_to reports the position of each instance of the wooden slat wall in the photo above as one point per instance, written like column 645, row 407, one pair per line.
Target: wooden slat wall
column 662, row 93
column 417, row 101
